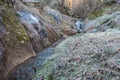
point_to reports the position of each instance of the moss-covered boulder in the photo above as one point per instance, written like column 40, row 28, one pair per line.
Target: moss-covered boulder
column 14, row 41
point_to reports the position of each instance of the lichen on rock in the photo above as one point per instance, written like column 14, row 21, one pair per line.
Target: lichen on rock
column 14, row 28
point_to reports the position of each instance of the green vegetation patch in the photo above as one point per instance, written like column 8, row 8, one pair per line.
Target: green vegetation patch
column 97, row 13
column 15, row 31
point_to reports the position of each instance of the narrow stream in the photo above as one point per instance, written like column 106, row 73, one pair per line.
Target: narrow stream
column 27, row 70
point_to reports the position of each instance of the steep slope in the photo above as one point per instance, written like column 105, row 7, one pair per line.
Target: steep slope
column 14, row 42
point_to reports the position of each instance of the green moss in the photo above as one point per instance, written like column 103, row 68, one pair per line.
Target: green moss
column 97, row 13
column 16, row 32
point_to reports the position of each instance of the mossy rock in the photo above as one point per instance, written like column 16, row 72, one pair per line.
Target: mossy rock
column 15, row 31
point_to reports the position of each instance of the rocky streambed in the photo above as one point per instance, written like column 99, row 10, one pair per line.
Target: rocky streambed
column 29, row 29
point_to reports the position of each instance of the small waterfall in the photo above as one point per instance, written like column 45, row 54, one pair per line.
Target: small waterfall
column 79, row 25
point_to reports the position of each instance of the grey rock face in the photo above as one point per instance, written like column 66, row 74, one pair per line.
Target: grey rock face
column 41, row 33
column 103, row 22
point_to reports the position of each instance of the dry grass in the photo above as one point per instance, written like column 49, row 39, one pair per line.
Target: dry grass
column 86, row 8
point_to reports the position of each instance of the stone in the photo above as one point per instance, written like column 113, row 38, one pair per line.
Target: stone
column 103, row 22
column 64, row 24
column 38, row 30
column 11, row 34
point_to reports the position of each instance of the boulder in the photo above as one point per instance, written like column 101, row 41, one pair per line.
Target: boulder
column 42, row 34
column 62, row 23
column 103, row 22
column 15, row 45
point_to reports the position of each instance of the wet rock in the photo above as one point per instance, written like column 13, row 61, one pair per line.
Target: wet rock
column 27, row 16
column 40, row 32
column 103, row 22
